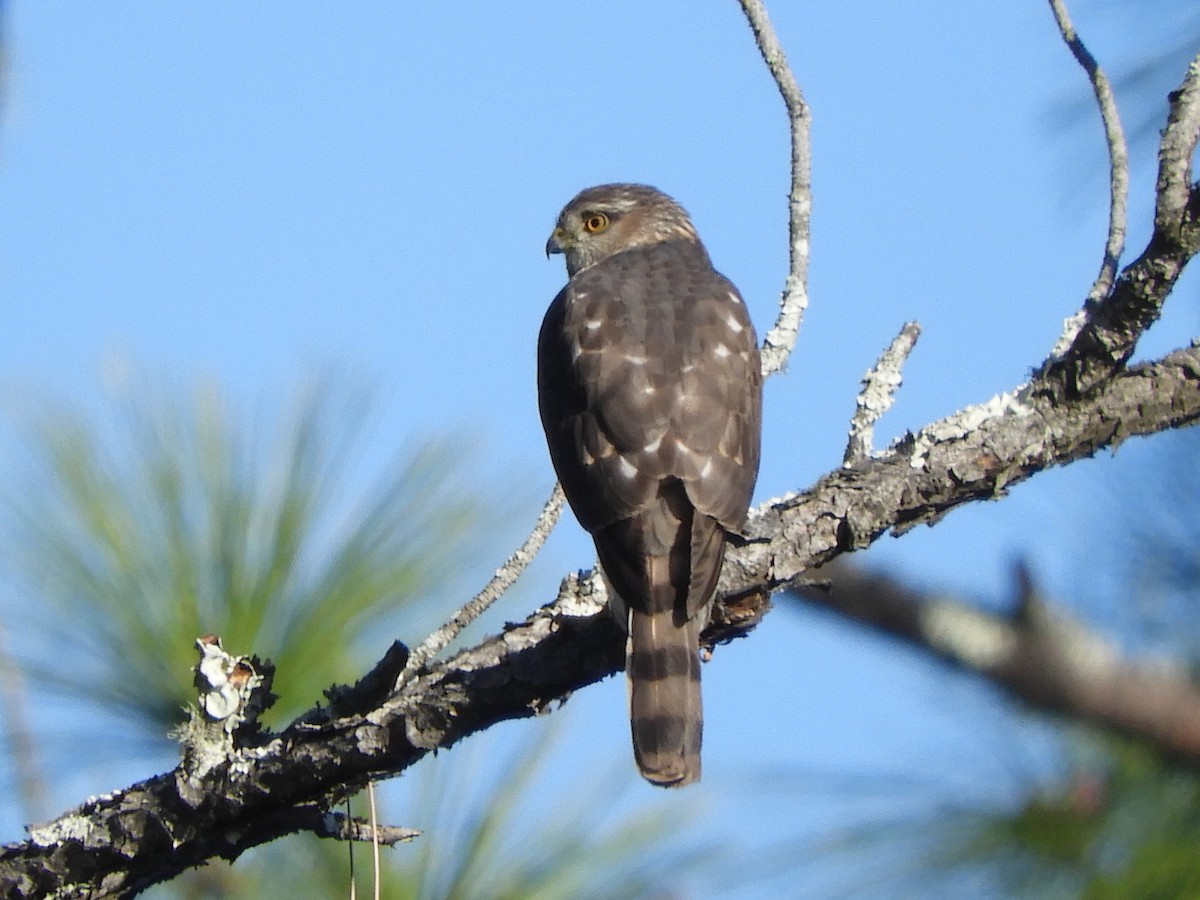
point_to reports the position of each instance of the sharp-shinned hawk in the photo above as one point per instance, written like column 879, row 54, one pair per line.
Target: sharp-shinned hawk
column 650, row 392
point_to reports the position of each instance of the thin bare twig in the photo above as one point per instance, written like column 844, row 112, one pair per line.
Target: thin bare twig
column 878, row 393
column 1118, row 152
column 505, row 576
column 780, row 340
column 342, row 827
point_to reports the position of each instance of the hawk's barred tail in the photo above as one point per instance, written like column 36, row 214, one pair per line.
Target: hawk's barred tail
column 663, row 667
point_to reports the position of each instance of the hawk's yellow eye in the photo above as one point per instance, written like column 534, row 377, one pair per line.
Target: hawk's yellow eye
column 595, row 222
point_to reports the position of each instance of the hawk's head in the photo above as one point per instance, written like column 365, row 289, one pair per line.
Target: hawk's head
column 607, row 219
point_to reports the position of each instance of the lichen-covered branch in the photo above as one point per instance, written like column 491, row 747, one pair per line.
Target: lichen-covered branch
column 278, row 784
column 1110, row 328
column 1175, row 191
column 973, row 455
column 878, row 393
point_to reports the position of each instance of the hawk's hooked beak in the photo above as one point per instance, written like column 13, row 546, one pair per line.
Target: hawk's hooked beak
column 555, row 243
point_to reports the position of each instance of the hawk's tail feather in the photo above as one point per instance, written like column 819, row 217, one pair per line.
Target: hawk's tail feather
column 663, row 670
column 707, row 555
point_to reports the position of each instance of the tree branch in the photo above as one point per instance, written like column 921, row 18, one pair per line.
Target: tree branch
column 1118, row 154
column 878, row 393
column 973, row 455
column 1174, row 191
column 1113, row 325
column 1038, row 654
column 780, row 340
column 120, row 843
column 504, row 578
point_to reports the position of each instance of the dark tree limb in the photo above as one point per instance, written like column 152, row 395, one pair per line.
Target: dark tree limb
column 118, row 844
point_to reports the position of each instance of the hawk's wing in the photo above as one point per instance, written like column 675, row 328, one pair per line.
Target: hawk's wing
column 648, row 369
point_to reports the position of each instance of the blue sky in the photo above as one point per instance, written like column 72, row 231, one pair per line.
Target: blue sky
column 248, row 194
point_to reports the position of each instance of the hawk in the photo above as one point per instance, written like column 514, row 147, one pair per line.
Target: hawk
column 650, row 393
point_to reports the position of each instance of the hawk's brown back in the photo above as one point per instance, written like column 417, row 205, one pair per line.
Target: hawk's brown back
column 649, row 387
column 648, row 369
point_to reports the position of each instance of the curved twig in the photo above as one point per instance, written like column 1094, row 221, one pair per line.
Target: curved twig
column 1118, row 152
column 780, row 340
